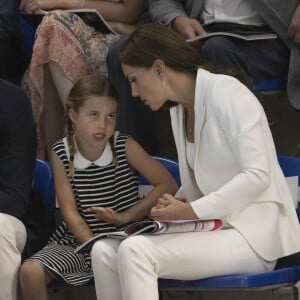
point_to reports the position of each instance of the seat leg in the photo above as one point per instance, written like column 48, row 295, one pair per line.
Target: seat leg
column 161, row 295
column 296, row 291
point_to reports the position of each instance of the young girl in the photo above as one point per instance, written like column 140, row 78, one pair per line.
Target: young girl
column 95, row 171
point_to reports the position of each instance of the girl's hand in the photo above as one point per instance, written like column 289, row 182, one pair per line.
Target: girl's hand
column 108, row 215
column 171, row 208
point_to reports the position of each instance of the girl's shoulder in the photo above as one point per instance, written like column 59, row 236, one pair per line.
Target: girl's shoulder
column 120, row 146
column 58, row 144
column 61, row 148
column 120, row 138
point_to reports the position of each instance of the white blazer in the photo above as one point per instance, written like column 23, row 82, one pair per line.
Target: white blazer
column 237, row 176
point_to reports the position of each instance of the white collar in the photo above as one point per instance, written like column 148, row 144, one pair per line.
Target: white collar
column 82, row 163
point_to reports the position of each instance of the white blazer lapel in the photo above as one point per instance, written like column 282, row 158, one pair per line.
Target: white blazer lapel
column 190, row 189
column 199, row 104
column 177, row 121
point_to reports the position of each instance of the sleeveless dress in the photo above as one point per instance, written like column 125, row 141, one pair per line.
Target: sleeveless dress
column 100, row 183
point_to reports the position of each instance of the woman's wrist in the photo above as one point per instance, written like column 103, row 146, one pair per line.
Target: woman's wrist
column 77, row 4
column 190, row 213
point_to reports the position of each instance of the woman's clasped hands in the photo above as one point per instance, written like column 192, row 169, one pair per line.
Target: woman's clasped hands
column 169, row 207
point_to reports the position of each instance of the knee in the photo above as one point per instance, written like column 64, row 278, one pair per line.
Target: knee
column 102, row 254
column 30, row 270
column 12, row 235
column 216, row 48
column 132, row 251
column 101, row 248
column 7, row 240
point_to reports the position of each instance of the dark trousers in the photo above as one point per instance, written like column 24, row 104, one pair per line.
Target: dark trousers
column 12, row 63
column 253, row 61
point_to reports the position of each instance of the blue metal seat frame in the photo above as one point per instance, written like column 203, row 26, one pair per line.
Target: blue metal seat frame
column 43, row 183
column 270, row 85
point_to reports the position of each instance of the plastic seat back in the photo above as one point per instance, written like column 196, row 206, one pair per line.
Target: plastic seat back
column 43, row 183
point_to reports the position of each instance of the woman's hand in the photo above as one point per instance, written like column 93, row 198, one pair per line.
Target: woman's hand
column 294, row 27
column 170, row 208
column 29, row 6
column 108, row 215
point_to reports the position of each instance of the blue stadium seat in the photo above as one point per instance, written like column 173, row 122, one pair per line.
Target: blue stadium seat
column 271, row 85
column 43, row 183
column 28, row 32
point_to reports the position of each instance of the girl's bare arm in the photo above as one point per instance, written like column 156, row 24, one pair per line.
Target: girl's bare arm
column 66, row 201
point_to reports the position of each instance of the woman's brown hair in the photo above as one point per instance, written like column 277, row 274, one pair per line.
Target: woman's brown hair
column 156, row 41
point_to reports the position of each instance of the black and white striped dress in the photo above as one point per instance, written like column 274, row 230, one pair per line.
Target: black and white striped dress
column 102, row 184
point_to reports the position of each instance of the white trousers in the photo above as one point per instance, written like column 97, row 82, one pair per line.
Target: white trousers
column 129, row 269
column 12, row 242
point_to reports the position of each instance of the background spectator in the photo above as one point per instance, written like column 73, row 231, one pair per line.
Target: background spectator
column 17, row 161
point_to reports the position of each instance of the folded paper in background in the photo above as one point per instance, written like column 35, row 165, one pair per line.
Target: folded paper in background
column 155, row 227
column 90, row 17
column 247, row 36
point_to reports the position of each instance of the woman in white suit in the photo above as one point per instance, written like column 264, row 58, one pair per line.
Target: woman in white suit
column 228, row 168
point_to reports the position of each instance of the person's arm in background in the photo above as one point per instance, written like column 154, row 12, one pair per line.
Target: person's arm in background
column 125, row 11
column 165, row 11
column 294, row 27
column 17, row 149
column 172, row 13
